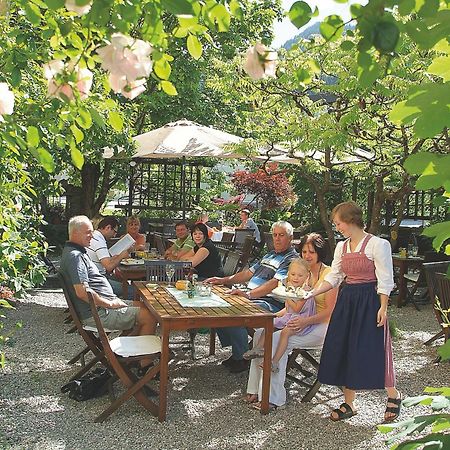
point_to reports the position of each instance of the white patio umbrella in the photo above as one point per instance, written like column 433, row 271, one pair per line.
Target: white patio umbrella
column 185, row 139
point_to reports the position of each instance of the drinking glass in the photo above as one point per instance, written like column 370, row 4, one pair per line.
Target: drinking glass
column 170, row 270
column 414, row 250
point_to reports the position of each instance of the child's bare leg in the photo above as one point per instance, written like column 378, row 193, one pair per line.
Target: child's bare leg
column 260, row 342
column 285, row 334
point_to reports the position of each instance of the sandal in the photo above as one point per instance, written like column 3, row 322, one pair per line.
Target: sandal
column 257, row 406
column 345, row 413
column 394, row 410
column 253, row 353
column 251, row 398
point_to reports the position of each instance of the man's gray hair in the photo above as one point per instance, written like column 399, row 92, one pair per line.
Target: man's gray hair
column 283, row 224
column 75, row 223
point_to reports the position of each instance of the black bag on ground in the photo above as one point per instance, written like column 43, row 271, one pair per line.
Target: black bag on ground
column 91, row 385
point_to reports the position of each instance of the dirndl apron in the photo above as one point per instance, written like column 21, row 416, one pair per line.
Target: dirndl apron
column 356, row 353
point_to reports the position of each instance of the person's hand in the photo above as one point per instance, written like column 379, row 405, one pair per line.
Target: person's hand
column 117, row 303
column 296, row 324
column 381, row 316
column 124, row 254
column 240, row 292
column 214, row 280
column 308, row 294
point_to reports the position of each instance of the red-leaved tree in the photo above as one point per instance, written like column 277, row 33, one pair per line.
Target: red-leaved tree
column 269, row 186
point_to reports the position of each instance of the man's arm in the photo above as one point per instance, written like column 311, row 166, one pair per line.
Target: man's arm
column 241, row 277
column 111, row 262
column 81, row 293
column 263, row 290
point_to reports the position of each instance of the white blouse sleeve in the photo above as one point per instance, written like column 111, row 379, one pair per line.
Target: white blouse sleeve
column 382, row 257
column 335, row 276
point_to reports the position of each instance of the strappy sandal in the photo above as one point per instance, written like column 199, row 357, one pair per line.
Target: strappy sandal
column 395, row 410
column 251, row 398
column 257, row 406
column 346, row 413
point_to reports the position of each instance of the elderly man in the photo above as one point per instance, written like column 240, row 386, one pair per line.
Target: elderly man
column 98, row 252
column 262, row 278
column 248, row 223
column 78, row 269
column 183, row 245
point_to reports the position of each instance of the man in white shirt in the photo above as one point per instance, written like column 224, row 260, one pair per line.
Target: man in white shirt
column 248, row 222
column 99, row 254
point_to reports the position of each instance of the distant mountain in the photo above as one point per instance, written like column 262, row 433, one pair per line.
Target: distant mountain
column 307, row 33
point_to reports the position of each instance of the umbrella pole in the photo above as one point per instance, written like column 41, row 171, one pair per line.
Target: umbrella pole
column 130, row 191
column 183, row 186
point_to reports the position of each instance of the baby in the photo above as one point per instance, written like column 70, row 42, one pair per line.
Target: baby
column 298, row 277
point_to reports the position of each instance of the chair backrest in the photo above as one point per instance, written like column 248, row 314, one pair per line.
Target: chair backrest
column 231, row 263
column 169, row 229
column 156, row 269
column 443, row 285
column 268, row 239
column 159, row 242
column 246, row 251
column 241, row 233
column 227, row 236
column 431, row 269
column 223, row 252
column 88, row 336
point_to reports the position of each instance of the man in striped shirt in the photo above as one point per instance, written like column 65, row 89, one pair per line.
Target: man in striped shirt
column 262, row 278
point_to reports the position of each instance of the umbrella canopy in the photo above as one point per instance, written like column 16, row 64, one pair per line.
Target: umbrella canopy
column 185, row 138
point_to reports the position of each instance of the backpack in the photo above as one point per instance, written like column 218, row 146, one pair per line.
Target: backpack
column 91, row 385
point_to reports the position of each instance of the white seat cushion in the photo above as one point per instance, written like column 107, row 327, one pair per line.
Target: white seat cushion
column 135, row 345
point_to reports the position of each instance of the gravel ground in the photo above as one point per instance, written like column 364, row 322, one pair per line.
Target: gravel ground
column 205, row 401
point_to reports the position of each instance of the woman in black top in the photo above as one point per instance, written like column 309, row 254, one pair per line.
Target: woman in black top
column 204, row 256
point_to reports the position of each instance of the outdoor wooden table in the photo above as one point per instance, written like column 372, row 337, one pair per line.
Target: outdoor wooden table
column 172, row 316
column 404, row 263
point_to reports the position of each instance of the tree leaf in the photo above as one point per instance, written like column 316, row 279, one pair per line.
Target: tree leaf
column 76, row 156
column 332, row 27
column 77, row 133
column 33, row 136
column 115, row 120
column 84, row 118
column 194, row 46
column 162, row 69
column 168, row 88
column 300, row 14
column 33, row 13
column 46, row 160
column 97, row 118
column 368, row 69
column 54, row 4
column 441, row 67
column 178, row 7
column 417, row 163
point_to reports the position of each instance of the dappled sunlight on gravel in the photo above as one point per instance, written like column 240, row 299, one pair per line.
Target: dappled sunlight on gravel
column 205, row 402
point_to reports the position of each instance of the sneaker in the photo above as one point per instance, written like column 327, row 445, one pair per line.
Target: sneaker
column 239, row 365
column 253, row 353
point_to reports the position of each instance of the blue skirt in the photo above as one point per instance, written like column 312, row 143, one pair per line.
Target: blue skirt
column 353, row 354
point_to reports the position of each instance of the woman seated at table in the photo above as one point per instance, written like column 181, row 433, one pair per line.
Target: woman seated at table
column 204, row 256
column 133, row 227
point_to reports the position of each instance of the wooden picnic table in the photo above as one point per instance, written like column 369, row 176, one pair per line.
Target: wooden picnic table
column 172, row 316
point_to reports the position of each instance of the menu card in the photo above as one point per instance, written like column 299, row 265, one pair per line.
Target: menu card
column 122, row 244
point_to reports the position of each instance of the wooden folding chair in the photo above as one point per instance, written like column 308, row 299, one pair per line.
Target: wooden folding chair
column 443, row 308
column 157, row 268
column 92, row 342
column 313, row 387
column 246, row 252
column 231, row 264
column 268, row 240
column 227, row 236
column 240, row 235
column 121, row 352
column 159, row 242
column 431, row 269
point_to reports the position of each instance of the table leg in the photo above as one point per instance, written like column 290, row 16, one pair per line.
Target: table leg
column 267, row 366
column 401, row 284
column 164, row 374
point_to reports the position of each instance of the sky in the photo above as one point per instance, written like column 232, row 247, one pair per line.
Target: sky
column 285, row 30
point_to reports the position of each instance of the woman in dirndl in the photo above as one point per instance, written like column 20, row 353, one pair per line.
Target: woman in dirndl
column 357, row 352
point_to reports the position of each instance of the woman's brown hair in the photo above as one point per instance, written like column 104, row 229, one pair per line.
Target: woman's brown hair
column 348, row 212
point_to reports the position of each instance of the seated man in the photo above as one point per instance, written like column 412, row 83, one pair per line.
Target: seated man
column 78, row 269
column 98, row 252
column 262, row 279
column 248, row 222
column 183, row 245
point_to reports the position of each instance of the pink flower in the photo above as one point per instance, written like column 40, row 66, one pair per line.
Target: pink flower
column 127, row 61
column 63, row 78
column 260, row 62
column 71, row 5
column 6, row 101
